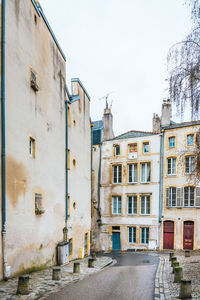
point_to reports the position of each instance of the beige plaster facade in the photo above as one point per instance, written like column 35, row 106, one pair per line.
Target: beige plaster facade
column 179, row 209
column 110, row 221
column 79, row 221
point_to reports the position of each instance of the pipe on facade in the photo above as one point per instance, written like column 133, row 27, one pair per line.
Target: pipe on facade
column 66, row 150
column 161, row 176
column 3, row 148
column 91, row 159
column 99, row 175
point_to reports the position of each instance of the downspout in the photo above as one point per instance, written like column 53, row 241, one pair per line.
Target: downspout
column 66, row 149
column 3, row 150
column 161, row 176
column 91, row 160
column 99, row 175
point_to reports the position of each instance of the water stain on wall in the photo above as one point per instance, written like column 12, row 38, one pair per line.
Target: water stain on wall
column 16, row 180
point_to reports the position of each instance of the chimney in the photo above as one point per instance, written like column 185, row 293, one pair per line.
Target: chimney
column 156, row 123
column 107, row 124
column 166, row 112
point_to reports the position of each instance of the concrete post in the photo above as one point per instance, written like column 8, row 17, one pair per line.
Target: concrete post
column 178, row 274
column 187, row 253
column 56, row 275
column 185, row 289
column 170, row 255
column 175, row 264
column 94, row 256
column 173, row 259
column 90, row 263
column 23, row 285
column 76, row 268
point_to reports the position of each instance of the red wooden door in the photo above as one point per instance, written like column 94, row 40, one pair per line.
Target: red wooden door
column 168, row 235
column 188, row 235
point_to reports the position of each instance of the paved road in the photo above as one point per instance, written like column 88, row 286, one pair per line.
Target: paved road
column 131, row 278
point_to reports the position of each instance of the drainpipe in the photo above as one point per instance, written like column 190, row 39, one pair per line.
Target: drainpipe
column 91, row 159
column 3, row 151
column 66, row 150
column 99, row 175
column 161, row 176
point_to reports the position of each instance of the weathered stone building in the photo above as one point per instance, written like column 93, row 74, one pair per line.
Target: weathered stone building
column 40, row 204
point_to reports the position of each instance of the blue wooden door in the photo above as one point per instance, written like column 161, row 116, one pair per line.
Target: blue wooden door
column 116, row 241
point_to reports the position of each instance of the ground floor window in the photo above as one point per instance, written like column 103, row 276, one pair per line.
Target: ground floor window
column 144, row 235
column 132, row 235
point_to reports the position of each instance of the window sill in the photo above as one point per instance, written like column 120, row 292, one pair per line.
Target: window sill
column 39, row 211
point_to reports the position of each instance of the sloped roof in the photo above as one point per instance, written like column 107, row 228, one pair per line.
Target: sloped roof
column 132, row 134
column 183, row 124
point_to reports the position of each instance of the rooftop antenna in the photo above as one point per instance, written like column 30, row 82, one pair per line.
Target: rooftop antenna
column 106, row 98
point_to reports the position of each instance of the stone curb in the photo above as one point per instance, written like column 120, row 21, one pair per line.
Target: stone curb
column 161, row 286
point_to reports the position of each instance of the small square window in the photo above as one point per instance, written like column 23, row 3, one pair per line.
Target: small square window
column 32, row 147
column 146, row 147
column 190, row 139
column 117, row 150
column 171, row 142
column 38, row 204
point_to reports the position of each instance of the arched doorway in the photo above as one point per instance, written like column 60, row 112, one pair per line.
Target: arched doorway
column 168, row 235
column 188, row 235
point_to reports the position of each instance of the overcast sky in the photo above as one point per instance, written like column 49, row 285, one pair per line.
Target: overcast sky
column 119, row 46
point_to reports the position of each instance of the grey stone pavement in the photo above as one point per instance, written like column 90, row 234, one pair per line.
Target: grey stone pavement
column 41, row 282
column 165, row 288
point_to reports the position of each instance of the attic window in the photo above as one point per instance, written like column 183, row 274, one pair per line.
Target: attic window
column 33, row 81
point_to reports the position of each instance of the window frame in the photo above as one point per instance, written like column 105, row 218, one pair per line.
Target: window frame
column 32, row 146
column 172, row 158
column 171, row 196
column 133, row 235
column 146, row 172
column 174, row 144
column 133, row 165
column 118, row 198
column 190, row 172
column 117, row 146
column 118, row 173
column 134, row 210
column 144, row 143
column 146, row 229
column 146, row 208
column 190, row 134
column 189, row 194
column 128, row 150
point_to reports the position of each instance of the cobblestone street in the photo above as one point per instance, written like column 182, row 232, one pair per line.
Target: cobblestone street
column 165, row 288
column 41, row 282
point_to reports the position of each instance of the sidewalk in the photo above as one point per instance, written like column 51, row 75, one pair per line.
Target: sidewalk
column 165, row 288
column 41, row 282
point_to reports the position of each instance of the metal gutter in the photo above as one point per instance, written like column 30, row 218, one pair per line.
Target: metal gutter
column 180, row 125
column 3, row 140
column 78, row 80
column 41, row 13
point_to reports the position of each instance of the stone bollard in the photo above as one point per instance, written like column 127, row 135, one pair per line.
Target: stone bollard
column 94, row 256
column 170, row 255
column 187, row 253
column 90, row 263
column 175, row 264
column 178, row 274
column 76, row 268
column 173, row 259
column 23, row 285
column 185, row 289
column 56, row 275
